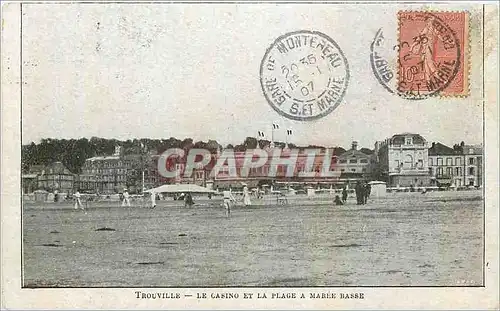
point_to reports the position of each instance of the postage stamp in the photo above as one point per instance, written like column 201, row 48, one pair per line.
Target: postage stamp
column 428, row 57
column 304, row 75
column 433, row 53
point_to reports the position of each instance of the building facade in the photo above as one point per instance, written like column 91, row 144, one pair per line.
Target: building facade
column 402, row 160
column 354, row 164
column 56, row 177
column 458, row 166
column 232, row 175
column 85, row 183
column 110, row 173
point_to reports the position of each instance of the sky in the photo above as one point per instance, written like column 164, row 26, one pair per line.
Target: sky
column 154, row 71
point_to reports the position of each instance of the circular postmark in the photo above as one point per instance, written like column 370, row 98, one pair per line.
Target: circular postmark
column 422, row 62
column 304, row 75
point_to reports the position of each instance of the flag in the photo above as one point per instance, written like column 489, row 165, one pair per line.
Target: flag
column 275, row 126
column 289, row 132
column 261, row 134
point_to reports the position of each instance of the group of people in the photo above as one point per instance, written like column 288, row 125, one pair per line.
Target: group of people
column 362, row 193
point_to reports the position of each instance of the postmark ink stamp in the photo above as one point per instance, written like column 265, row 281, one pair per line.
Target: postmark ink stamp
column 304, row 75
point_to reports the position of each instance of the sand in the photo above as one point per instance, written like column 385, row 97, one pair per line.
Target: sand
column 405, row 239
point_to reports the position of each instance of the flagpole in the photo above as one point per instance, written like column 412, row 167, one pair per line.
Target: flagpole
column 275, row 126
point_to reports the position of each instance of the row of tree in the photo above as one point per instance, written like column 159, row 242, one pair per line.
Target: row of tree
column 73, row 152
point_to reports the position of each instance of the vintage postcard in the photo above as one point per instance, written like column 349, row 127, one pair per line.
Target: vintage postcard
column 229, row 155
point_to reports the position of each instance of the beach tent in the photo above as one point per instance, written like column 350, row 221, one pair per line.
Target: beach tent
column 180, row 188
column 378, row 188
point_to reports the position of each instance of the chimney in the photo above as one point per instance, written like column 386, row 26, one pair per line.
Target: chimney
column 354, row 145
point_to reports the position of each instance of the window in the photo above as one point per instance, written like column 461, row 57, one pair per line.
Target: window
column 458, row 171
column 458, row 161
column 471, row 171
column 439, row 161
column 353, row 161
column 431, row 171
column 363, row 161
column 449, row 171
column 471, row 182
column 334, row 160
column 342, row 170
column 343, row 161
column 471, row 161
column 397, row 163
column 408, row 140
column 471, row 150
column 353, row 170
column 449, row 161
column 430, row 162
column 439, row 171
column 420, row 163
column 408, row 162
column 364, row 170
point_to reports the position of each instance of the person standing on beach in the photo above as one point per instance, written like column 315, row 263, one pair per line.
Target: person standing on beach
column 188, row 200
column 366, row 192
column 153, row 199
column 78, row 203
column 359, row 193
column 344, row 194
column 228, row 199
column 337, row 201
column 126, row 200
column 246, row 196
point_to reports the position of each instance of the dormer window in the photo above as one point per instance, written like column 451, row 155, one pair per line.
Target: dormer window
column 409, row 141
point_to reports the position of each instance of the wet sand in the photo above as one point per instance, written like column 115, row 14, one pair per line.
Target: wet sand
column 405, row 239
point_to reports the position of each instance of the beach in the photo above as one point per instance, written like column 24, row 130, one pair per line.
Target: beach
column 402, row 239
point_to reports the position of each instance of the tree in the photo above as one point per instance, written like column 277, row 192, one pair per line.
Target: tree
column 213, row 146
column 366, row 151
column 316, row 147
column 279, row 144
column 250, row 143
column 187, row 144
column 168, row 144
column 200, row 145
column 338, row 151
column 28, row 156
column 263, row 143
column 240, row 148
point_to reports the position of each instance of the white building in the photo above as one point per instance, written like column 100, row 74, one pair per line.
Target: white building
column 403, row 160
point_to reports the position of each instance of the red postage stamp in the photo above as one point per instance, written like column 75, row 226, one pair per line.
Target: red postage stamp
column 433, row 54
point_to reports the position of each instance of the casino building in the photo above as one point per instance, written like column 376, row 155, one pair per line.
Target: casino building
column 346, row 167
column 403, row 160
